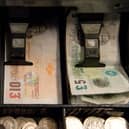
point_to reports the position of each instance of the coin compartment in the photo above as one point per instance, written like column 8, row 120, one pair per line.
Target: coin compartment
column 35, row 112
column 104, row 112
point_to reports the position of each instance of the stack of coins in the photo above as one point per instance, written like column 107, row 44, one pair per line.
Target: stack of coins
column 19, row 123
column 93, row 122
column 29, row 125
column 47, row 123
column 73, row 122
column 8, row 122
column 116, row 123
column 25, row 123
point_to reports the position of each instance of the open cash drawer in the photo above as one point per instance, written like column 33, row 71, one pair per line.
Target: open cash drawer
column 59, row 112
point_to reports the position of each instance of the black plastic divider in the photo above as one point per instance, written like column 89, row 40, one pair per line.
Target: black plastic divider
column 65, row 81
column 2, row 50
column 1, row 82
column 124, row 41
column 2, row 27
column 62, row 32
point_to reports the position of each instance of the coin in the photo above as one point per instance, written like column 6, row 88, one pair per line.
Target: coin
column 73, row 122
column 21, row 121
column 9, row 122
column 29, row 125
column 27, row 119
column 93, row 122
column 47, row 123
column 116, row 123
column 1, row 120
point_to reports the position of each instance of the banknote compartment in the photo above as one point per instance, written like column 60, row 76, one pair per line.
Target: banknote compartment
column 52, row 17
column 121, row 53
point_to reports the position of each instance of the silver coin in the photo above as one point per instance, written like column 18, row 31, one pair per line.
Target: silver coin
column 21, row 122
column 20, row 119
column 29, row 125
column 47, row 123
column 27, row 119
column 93, row 122
column 73, row 122
column 1, row 120
column 38, row 127
column 9, row 122
column 116, row 123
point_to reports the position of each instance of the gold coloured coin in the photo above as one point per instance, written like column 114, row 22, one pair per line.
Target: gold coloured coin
column 47, row 123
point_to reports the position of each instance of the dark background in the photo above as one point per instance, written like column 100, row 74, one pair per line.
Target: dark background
column 83, row 5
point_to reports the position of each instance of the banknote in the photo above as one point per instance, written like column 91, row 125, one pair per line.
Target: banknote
column 121, row 98
column 95, row 80
column 39, row 83
column 109, row 40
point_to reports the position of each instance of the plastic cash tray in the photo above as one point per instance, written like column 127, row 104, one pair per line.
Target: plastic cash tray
column 60, row 111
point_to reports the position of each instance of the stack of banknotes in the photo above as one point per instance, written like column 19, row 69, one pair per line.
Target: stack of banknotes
column 98, row 85
column 39, row 83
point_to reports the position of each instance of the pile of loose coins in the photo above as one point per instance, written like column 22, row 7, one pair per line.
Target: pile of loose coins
column 93, row 122
column 9, row 122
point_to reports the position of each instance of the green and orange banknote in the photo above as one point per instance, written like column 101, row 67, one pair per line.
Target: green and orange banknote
column 110, row 79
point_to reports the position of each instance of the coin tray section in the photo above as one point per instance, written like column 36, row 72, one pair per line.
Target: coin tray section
column 103, row 112
column 33, row 112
